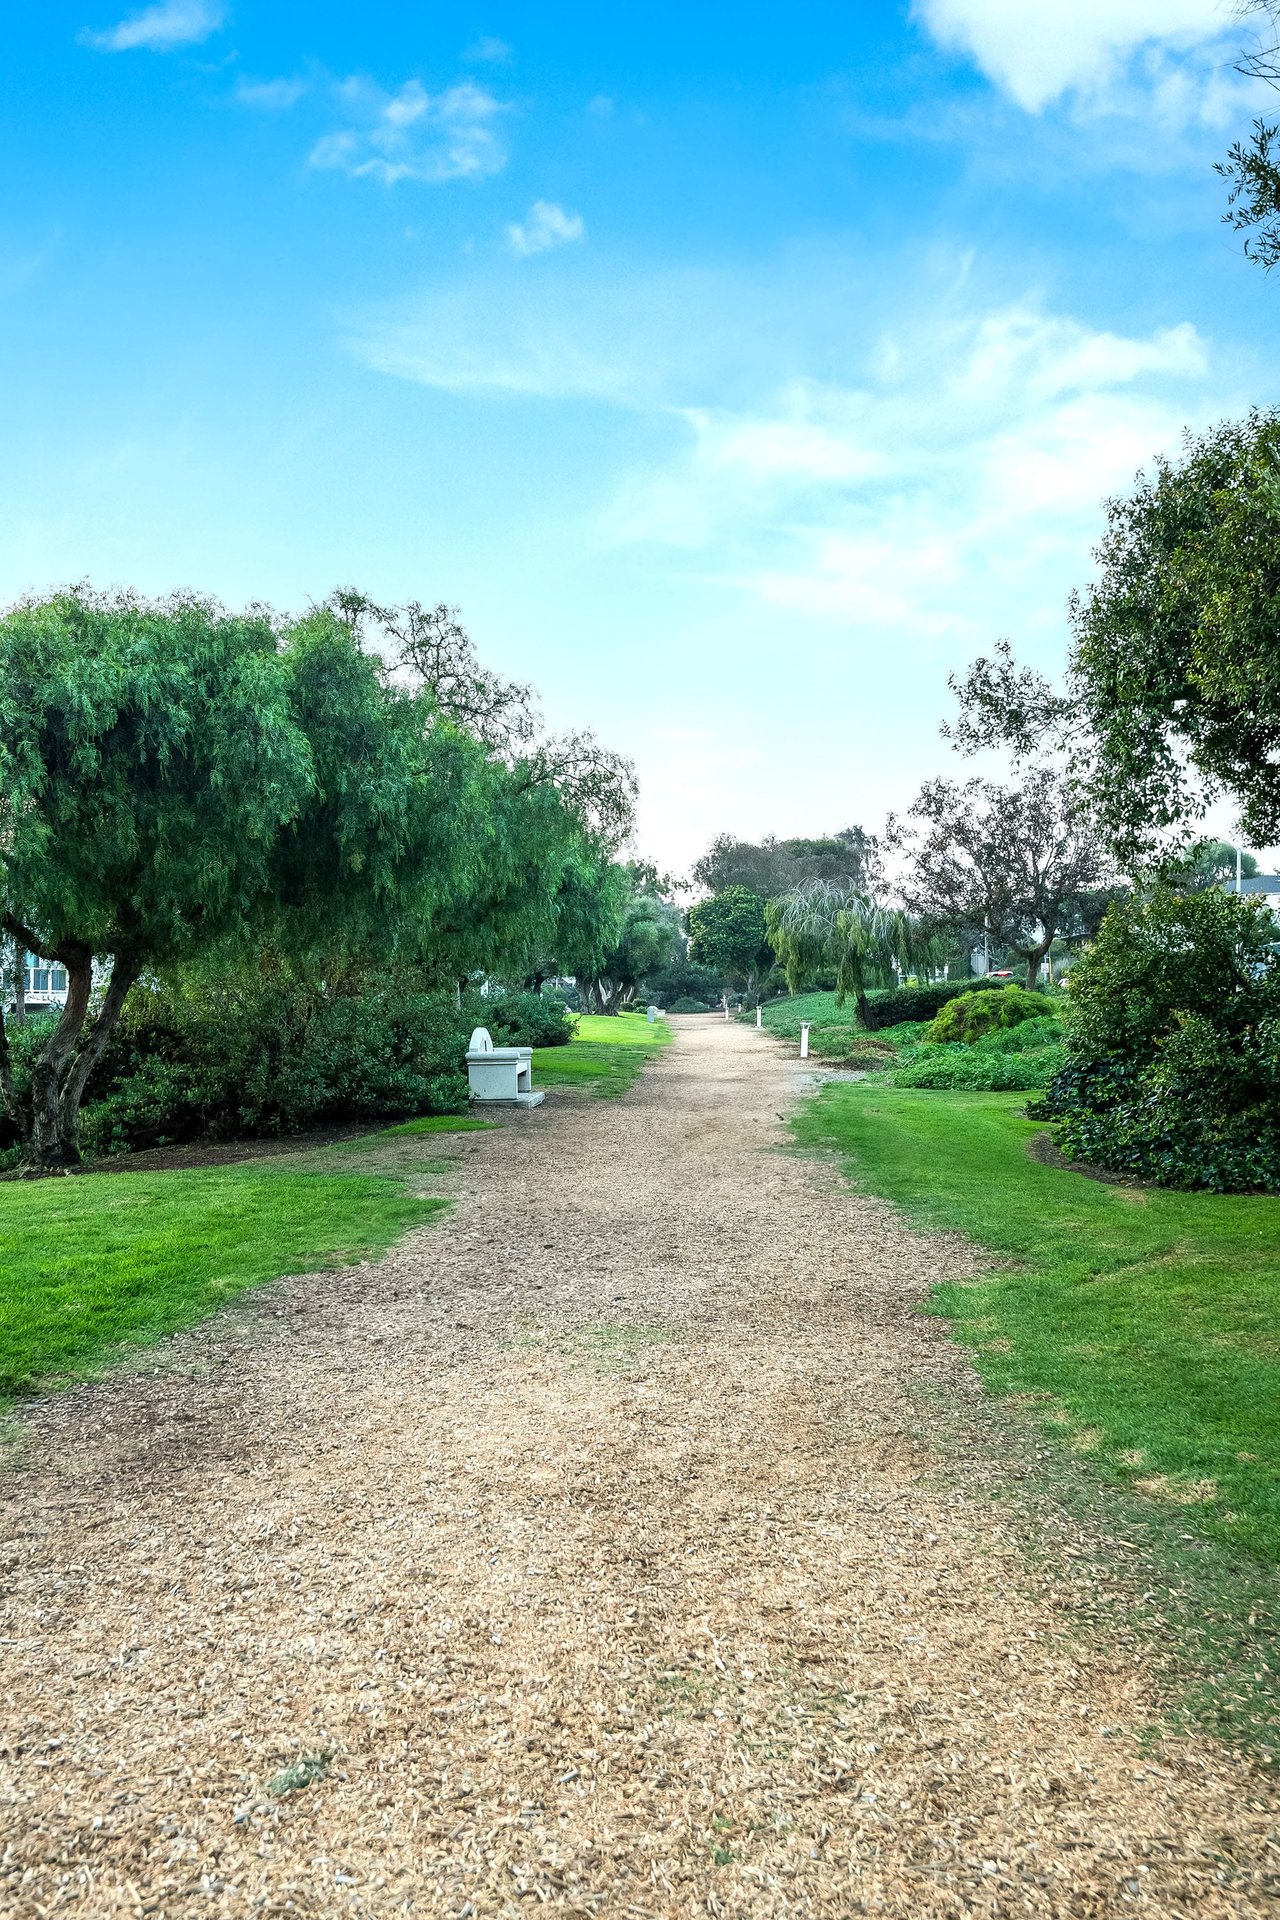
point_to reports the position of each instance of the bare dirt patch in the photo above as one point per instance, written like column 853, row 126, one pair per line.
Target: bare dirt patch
column 593, row 1552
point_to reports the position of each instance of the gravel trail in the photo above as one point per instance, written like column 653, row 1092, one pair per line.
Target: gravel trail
column 594, row 1552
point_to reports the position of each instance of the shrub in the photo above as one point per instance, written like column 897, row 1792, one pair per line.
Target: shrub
column 890, row 1006
column 971, row 1016
column 685, row 1005
column 259, row 1053
column 522, row 1019
column 980, row 1070
column 1028, row 1037
column 1172, row 1071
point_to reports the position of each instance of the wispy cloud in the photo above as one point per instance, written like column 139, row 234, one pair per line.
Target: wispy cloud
column 173, row 23
column 547, row 225
column 487, row 47
column 1039, row 53
column 273, row 96
column 951, row 494
column 414, row 135
column 930, row 476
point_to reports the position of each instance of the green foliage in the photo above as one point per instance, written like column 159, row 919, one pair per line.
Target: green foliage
column 891, row 1007
column 850, row 858
column 1252, row 170
column 150, row 757
column 981, row 1069
column 92, row 1267
column 727, row 933
column 172, row 777
column 1024, row 864
column 683, row 979
column 684, row 1005
column 522, row 1019
column 256, row 1050
column 822, row 926
column 1173, row 1037
column 970, row 1016
column 649, row 938
column 1175, row 643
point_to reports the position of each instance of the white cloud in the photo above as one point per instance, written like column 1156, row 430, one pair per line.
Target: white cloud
column 488, row 47
column 274, row 96
column 935, row 481
column 951, row 494
column 414, row 135
column 173, row 23
column 547, row 225
column 1038, row 50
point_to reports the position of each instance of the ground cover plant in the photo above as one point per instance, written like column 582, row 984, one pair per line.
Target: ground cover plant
column 1143, row 1326
column 94, row 1266
column 606, row 1054
column 900, row 1017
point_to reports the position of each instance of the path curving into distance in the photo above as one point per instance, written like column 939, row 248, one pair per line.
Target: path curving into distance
column 601, row 1538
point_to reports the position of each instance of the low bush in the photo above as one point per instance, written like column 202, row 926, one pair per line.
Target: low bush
column 522, row 1019
column 889, row 1006
column 256, row 1052
column 971, row 1016
column 1172, row 1070
column 1028, row 1037
column 980, row 1069
column 685, row 1005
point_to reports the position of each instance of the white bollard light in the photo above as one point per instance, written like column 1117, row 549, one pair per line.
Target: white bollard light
column 804, row 1041
column 759, row 1021
column 726, row 1006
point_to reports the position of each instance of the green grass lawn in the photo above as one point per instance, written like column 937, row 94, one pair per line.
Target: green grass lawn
column 1142, row 1326
column 95, row 1265
column 605, row 1055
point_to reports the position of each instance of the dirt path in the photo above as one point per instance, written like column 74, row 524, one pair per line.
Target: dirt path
column 597, row 1536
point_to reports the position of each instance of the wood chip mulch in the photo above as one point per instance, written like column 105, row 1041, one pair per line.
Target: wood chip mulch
column 594, row 1554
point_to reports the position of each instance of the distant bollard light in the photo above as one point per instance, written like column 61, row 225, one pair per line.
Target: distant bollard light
column 726, row 1006
column 804, row 1040
column 759, row 1021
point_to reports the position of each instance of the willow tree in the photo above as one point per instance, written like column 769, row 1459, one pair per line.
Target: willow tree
column 827, row 927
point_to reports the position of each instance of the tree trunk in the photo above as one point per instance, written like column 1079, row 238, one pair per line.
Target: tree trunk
column 8, row 1092
column 1034, row 957
column 45, row 1150
column 19, row 983
column 123, row 974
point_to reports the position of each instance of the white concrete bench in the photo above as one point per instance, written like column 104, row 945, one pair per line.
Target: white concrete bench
column 500, row 1076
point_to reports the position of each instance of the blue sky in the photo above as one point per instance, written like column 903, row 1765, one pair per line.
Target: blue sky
column 739, row 371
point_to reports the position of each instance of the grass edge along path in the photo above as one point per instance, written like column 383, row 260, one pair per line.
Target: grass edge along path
column 1132, row 1340
column 96, row 1266
column 606, row 1054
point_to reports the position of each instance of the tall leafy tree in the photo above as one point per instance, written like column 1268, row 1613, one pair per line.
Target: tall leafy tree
column 649, row 938
column 1252, row 166
column 728, row 932
column 171, row 774
column 1176, row 663
column 773, row 867
column 1023, row 863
